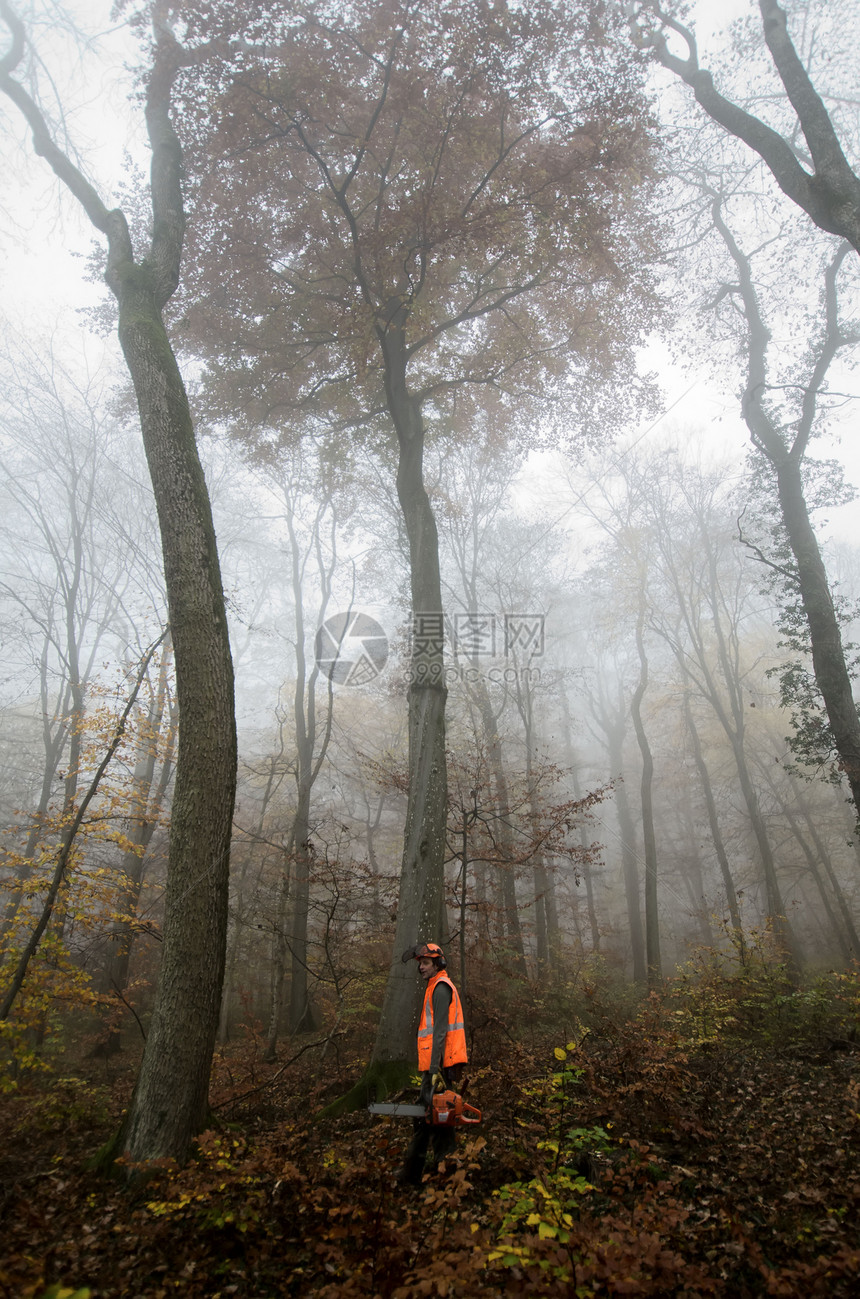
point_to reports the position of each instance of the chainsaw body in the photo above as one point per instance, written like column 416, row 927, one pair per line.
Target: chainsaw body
column 448, row 1110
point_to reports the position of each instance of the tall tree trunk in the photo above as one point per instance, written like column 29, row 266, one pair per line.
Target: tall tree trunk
column 280, row 952
column 169, row 1103
column 587, row 873
column 420, row 911
column 511, row 927
column 309, row 761
column 311, row 749
column 652, row 919
column 714, row 823
column 615, row 737
column 547, row 936
column 273, row 780
column 303, row 1017
column 828, row 654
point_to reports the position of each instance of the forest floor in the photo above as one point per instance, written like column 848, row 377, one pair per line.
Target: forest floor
column 614, row 1158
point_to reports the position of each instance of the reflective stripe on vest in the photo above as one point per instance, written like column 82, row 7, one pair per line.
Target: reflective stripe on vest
column 455, row 1037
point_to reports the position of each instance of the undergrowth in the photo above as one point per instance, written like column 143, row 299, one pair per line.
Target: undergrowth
column 706, row 1144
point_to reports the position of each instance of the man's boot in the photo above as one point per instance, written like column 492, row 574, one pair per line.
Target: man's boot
column 411, row 1172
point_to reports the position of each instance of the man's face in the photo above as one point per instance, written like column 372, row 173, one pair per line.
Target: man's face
column 426, row 967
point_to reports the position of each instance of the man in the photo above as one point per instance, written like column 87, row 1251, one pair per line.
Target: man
column 441, row 1056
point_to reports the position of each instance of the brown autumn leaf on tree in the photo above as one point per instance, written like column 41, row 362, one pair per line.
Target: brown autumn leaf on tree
column 395, row 204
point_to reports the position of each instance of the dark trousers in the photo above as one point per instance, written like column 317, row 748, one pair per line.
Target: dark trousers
column 439, row 1140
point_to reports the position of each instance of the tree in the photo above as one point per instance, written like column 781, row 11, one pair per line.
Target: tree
column 310, row 538
column 155, row 746
column 631, row 561
column 780, row 428
column 69, row 568
column 169, row 1103
column 649, row 837
column 700, row 605
column 608, row 708
column 588, row 866
column 419, row 202
column 714, row 826
column 475, row 479
column 826, row 188
column 708, row 591
column 67, row 842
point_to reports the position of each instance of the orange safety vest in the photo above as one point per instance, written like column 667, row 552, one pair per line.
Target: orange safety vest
column 455, row 1039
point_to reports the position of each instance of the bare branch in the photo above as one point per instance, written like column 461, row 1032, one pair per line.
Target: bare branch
column 830, row 196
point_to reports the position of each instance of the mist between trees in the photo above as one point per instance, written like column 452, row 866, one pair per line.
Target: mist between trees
column 400, row 249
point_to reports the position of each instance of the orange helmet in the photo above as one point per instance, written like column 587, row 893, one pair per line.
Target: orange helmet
column 420, row 950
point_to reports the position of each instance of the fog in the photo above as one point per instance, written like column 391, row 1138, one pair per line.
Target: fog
column 639, row 764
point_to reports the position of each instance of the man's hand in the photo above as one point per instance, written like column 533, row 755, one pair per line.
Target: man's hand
column 430, row 1083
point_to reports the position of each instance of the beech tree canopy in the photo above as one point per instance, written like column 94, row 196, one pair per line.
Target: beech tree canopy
column 471, row 181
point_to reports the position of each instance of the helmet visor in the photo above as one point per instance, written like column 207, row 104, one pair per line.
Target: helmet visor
column 420, row 950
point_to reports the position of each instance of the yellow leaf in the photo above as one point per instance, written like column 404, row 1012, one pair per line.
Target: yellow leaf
column 560, row 1053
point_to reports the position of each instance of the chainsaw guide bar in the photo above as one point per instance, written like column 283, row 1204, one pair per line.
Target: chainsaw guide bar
column 446, row 1110
column 410, row 1111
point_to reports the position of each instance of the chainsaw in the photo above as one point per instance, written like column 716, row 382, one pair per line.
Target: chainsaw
column 446, row 1110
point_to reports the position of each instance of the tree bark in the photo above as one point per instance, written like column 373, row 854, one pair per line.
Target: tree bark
column 169, row 1102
